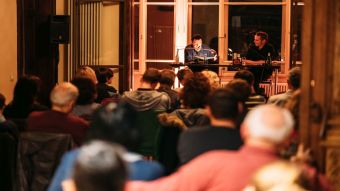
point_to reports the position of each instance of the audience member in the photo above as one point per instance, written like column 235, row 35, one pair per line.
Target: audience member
column 116, row 124
column 8, row 149
column 58, row 119
column 254, row 99
column 223, row 110
column 166, row 82
column 85, row 104
column 294, row 78
column 242, row 91
column 85, row 71
column 104, row 90
column 194, row 97
column 214, row 80
column 2, row 106
column 181, row 76
column 24, row 99
column 231, row 170
column 5, row 125
column 99, row 166
column 146, row 97
column 293, row 105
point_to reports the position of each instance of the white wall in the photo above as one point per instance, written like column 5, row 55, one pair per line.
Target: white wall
column 8, row 47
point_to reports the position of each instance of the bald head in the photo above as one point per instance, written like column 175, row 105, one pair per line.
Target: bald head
column 64, row 94
column 269, row 123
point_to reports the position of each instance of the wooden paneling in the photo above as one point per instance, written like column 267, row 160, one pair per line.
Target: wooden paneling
column 319, row 107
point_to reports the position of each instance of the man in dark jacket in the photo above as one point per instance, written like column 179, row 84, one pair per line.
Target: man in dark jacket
column 223, row 110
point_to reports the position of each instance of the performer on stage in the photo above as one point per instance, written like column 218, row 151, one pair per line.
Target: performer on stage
column 199, row 51
column 258, row 55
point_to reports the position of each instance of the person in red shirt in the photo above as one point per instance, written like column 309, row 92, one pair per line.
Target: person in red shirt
column 264, row 129
column 59, row 119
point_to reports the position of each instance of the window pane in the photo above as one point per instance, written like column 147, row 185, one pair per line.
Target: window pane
column 245, row 21
column 205, row 23
column 136, row 32
column 255, row 1
column 202, row 1
column 160, row 32
column 161, row 0
column 297, row 9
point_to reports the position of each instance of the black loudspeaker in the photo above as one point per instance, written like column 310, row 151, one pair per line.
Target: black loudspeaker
column 59, row 29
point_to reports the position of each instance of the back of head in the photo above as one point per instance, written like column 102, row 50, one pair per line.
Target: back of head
column 26, row 90
column 279, row 176
column 269, row 123
column 182, row 73
column 63, row 94
column 100, row 166
column 151, row 75
column 223, row 104
column 104, row 74
column 263, row 35
column 2, row 101
column 241, row 89
column 195, row 91
column 87, row 72
column 214, row 80
column 115, row 123
column 87, row 90
column 294, row 77
column 245, row 75
column 167, row 77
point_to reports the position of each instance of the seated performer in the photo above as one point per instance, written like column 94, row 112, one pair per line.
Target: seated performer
column 198, row 51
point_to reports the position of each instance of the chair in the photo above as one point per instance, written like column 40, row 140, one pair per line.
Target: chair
column 38, row 156
column 8, row 150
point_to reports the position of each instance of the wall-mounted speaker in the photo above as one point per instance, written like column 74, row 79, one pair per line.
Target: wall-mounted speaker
column 59, row 29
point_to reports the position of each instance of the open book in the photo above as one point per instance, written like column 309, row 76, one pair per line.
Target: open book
column 203, row 58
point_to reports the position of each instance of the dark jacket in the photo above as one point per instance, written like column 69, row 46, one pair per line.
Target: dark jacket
column 192, row 117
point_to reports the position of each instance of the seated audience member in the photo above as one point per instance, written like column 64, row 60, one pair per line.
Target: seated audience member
column 181, row 75
column 231, row 170
column 104, row 90
column 24, row 99
column 85, row 104
column 8, row 149
column 99, row 166
column 58, row 119
column 166, row 82
column 146, row 97
column 5, row 125
column 254, row 99
column 2, row 106
column 242, row 91
column 194, row 96
column 279, row 175
column 293, row 105
column 223, row 110
column 116, row 124
column 85, row 71
column 294, row 78
column 214, row 80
